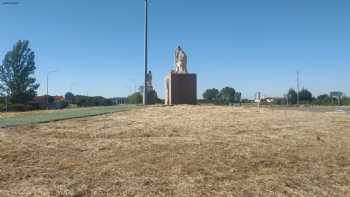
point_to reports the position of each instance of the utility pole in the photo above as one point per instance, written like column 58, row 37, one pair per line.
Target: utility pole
column 298, row 87
column 145, row 93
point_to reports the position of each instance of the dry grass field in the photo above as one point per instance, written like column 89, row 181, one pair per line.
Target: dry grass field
column 180, row 151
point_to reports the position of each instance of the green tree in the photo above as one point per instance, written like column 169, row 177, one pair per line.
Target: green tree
column 227, row 95
column 211, row 94
column 323, row 97
column 135, row 98
column 292, row 96
column 51, row 99
column 69, row 97
column 346, row 101
column 153, row 97
column 16, row 74
column 305, row 96
column 238, row 97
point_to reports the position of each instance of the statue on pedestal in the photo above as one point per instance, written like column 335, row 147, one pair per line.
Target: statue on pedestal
column 180, row 86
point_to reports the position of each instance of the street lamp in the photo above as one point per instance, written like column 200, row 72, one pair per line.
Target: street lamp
column 47, row 87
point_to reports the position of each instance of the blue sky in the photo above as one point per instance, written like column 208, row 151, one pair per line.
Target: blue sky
column 251, row 45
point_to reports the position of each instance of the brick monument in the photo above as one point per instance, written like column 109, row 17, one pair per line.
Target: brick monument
column 180, row 86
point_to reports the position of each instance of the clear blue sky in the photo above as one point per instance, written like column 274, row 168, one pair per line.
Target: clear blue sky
column 253, row 45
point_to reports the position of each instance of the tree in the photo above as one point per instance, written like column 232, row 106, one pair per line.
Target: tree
column 51, row 99
column 135, row 98
column 69, row 97
column 305, row 95
column 237, row 97
column 16, row 74
column 86, row 101
column 153, row 97
column 292, row 96
column 211, row 94
column 323, row 97
column 227, row 95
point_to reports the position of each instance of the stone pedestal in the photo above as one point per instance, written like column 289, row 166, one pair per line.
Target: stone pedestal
column 180, row 88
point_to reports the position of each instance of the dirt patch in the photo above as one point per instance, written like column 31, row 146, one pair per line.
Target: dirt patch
column 180, row 151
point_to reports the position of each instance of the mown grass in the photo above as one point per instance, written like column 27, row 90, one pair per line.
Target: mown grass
column 55, row 115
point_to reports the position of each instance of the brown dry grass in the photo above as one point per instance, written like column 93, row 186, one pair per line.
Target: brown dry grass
column 180, row 151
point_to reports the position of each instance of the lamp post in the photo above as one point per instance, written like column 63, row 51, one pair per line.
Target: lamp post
column 47, row 88
column 145, row 93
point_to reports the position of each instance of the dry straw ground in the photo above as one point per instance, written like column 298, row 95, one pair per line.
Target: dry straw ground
column 180, row 151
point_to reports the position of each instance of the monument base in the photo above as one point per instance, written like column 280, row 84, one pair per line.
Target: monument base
column 180, row 89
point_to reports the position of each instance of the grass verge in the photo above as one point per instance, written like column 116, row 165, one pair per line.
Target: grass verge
column 56, row 115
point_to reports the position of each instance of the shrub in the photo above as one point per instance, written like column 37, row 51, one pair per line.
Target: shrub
column 346, row 101
column 2, row 107
column 20, row 107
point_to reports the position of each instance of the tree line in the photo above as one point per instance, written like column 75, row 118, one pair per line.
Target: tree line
column 227, row 95
column 87, row 101
column 137, row 98
column 307, row 98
